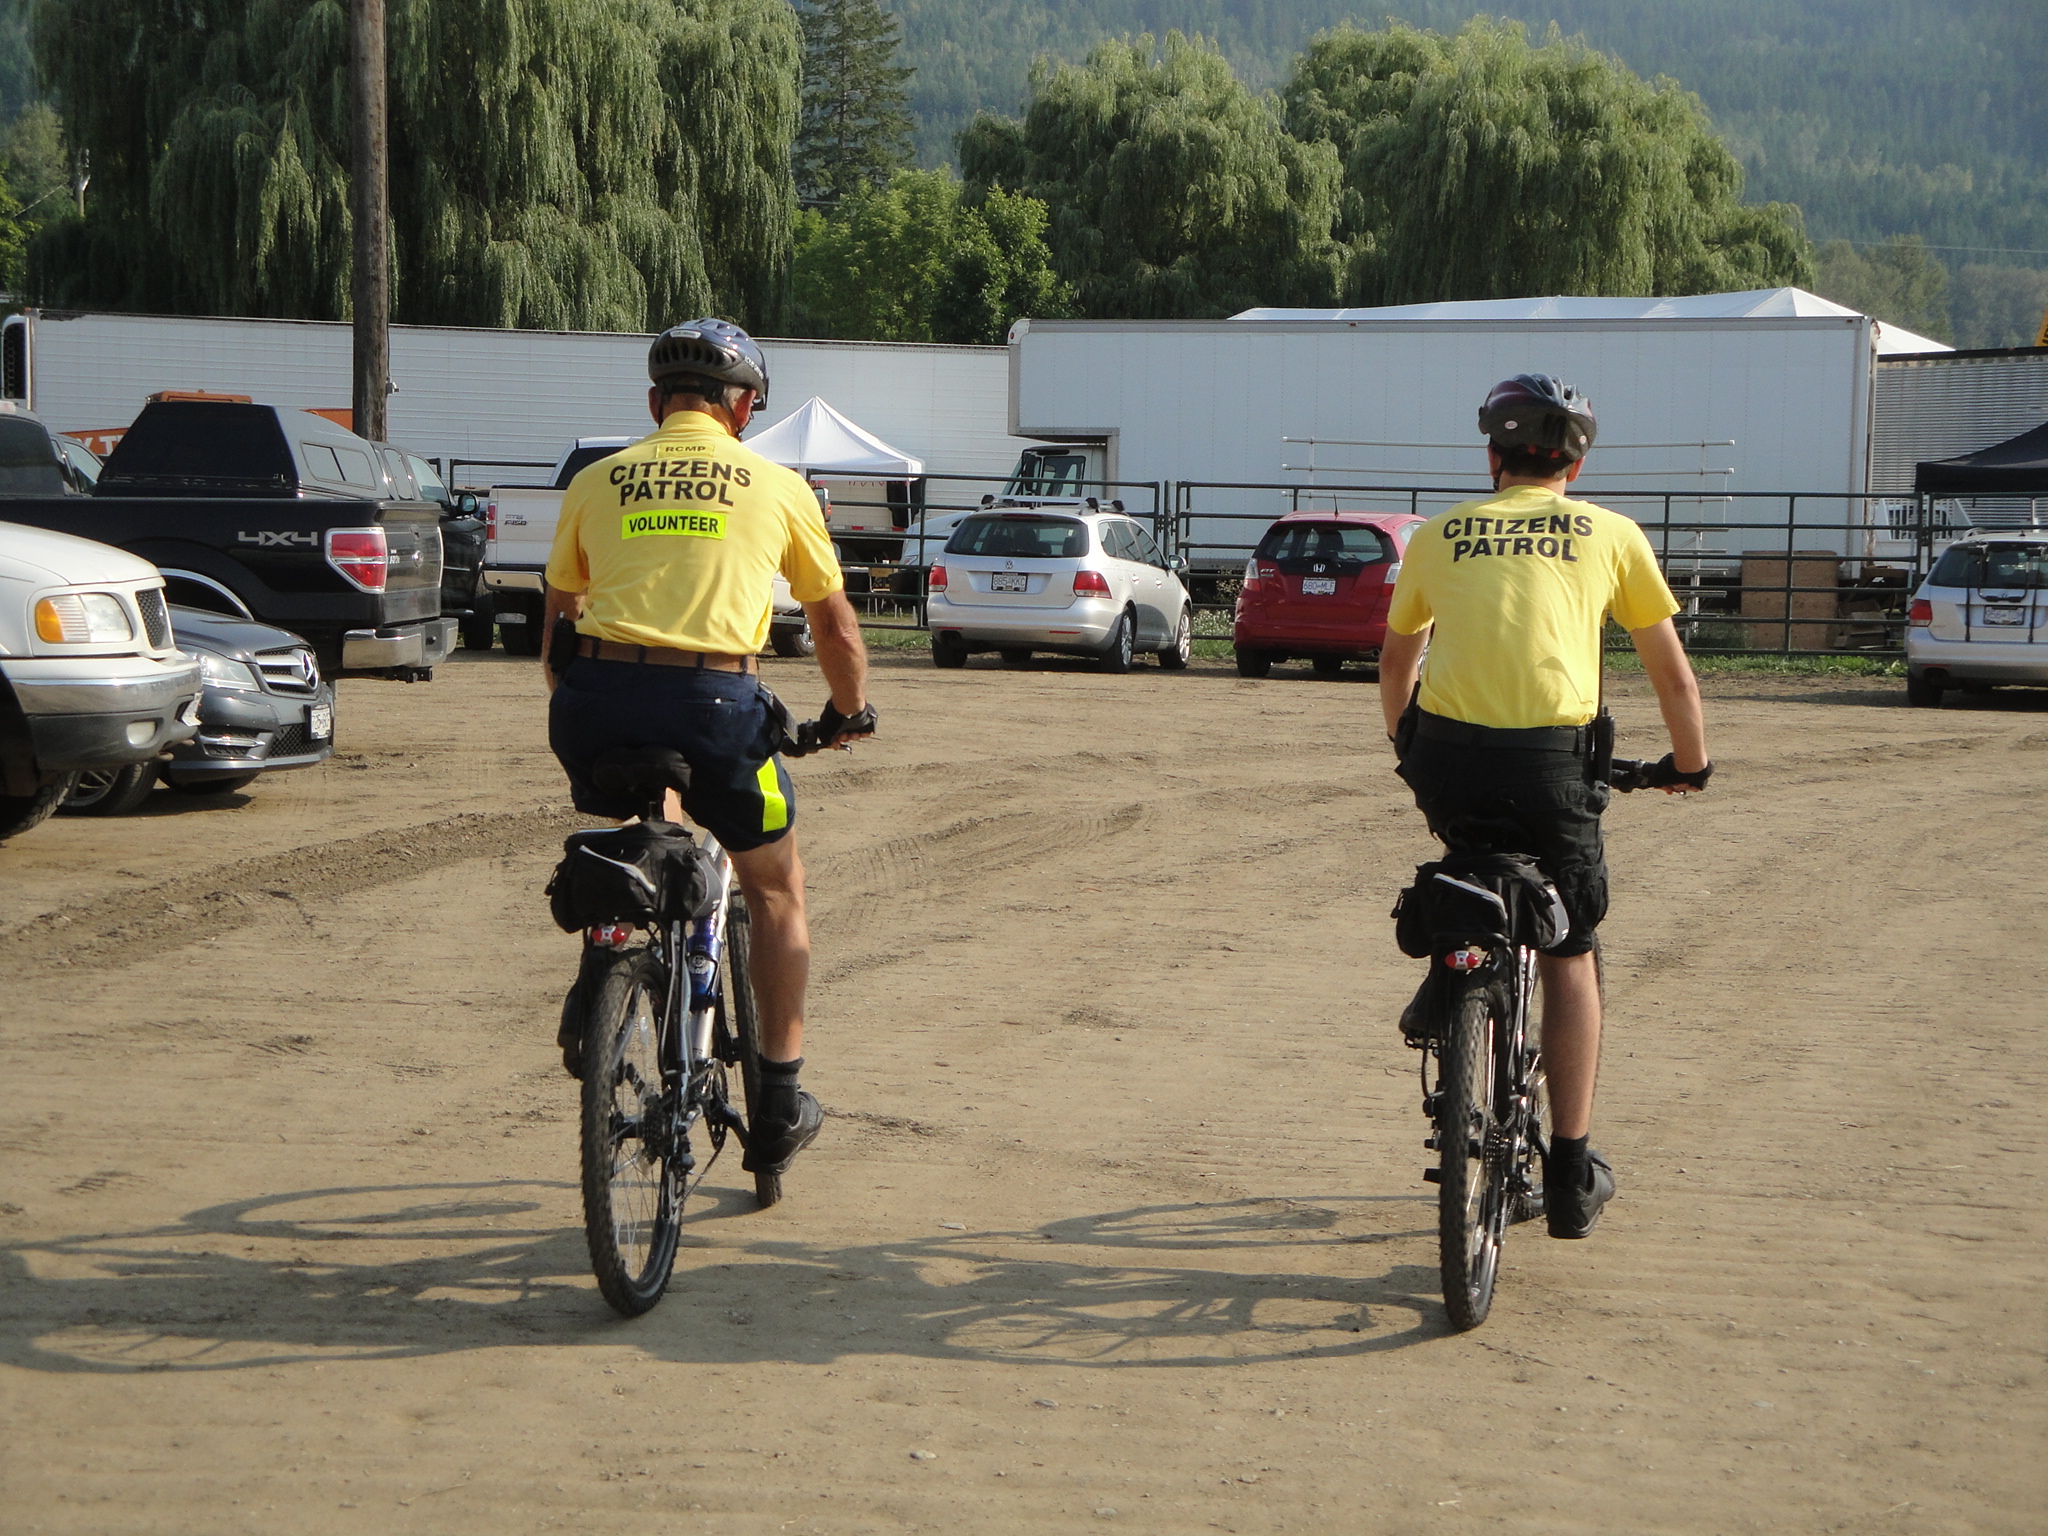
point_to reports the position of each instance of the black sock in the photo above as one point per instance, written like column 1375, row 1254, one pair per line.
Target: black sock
column 1568, row 1161
column 772, row 1071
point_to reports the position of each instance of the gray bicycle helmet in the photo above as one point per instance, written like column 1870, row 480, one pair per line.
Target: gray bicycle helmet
column 710, row 349
column 1539, row 414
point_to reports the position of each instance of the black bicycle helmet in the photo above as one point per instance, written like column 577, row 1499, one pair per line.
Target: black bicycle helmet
column 710, row 349
column 1539, row 414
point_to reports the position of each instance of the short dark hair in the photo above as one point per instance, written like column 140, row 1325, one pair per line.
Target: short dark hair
column 1518, row 460
column 711, row 391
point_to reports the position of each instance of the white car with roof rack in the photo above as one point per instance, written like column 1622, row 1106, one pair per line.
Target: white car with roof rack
column 1077, row 581
column 1981, row 616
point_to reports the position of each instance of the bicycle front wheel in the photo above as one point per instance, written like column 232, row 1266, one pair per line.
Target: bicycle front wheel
column 1472, row 1193
column 745, row 1021
column 632, row 1190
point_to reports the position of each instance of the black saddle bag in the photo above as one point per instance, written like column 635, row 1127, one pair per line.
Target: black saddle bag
column 1479, row 898
column 650, row 871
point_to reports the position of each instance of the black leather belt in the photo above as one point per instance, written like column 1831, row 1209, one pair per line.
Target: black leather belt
column 661, row 655
column 1538, row 738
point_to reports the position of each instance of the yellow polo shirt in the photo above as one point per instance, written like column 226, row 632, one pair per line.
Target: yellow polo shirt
column 676, row 541
column 1519, row 586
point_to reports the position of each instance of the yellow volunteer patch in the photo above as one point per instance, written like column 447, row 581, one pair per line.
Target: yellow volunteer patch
column 698, row 525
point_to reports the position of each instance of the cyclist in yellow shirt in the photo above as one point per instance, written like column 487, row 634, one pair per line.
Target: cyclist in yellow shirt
column 1496, row 729
column 665, row 558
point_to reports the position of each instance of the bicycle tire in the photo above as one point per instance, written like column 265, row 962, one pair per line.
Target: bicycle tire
column 1471, row 1196
column 632, row 1194
column 745, row 1021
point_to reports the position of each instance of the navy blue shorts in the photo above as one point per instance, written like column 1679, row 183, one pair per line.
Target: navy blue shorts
column 739, row 791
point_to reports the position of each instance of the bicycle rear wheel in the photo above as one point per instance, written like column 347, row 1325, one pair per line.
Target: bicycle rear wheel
column 1472, row 1193
column 632, row 1190
column 745, row 1022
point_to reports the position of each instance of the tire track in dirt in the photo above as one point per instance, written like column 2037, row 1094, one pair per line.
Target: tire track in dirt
column 117, row 931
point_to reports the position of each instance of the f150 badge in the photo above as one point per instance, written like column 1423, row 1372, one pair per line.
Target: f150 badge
column 271, row 538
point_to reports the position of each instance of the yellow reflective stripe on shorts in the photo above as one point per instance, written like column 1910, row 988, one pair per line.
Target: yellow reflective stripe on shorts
column 774, row 808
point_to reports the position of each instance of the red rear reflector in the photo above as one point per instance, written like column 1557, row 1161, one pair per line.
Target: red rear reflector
column 490, row 522
column 360, row 555
column 938, row 581
column 1091, row 581
column 1922, row 612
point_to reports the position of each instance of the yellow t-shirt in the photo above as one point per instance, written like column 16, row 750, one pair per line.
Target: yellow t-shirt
column 676, row 541
column 1519, row 585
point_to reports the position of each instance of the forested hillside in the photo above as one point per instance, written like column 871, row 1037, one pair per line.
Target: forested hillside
column 1878, row 117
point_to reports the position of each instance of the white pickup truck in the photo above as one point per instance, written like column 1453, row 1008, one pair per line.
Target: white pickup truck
column 90, row 674
column 520, row 529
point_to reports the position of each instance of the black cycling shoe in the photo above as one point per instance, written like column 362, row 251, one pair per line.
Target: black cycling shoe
column 1415, row 1026
column 570, row 1036
column 775, row 1140
column 1573, row 1204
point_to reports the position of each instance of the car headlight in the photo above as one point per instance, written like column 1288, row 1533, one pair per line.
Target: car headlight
column 224, row 672
column 82, row 618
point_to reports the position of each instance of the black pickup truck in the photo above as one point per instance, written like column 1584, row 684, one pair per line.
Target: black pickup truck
column 275, row 515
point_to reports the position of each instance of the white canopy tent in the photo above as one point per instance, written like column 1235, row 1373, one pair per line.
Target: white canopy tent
column 817, row 439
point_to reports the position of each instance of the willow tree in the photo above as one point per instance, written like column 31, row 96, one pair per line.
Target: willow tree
column 590, row 164
column 1479, row 166
column 1173, row 191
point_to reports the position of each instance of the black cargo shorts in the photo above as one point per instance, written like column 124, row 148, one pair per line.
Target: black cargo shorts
column 1519, row 800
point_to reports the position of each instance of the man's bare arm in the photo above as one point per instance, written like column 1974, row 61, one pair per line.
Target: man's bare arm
column 842, row 654
column 1400, row 665
column 558, row 605
column 1678, row 693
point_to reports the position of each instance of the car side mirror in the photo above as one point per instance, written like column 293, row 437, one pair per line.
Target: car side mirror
column 467, row 504
column 1178, row 565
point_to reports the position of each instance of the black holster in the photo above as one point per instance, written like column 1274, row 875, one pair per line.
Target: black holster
column 1600, row 759
column 562, row 646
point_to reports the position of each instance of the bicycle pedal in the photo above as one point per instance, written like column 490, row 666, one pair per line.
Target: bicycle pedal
column 1430, row 1142
column 1432, row 1175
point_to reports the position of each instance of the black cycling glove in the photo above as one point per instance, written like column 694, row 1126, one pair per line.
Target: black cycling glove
column 832, row 724
column 1664, row 774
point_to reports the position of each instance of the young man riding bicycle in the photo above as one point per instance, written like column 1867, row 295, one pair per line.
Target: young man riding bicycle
column 665, row 559
column 1508, row 595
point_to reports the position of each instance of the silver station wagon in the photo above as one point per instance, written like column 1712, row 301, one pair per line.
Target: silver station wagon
column 1980, row 618
column 1082, row 583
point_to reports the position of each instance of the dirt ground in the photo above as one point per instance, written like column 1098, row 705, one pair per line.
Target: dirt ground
column 1118, row 1219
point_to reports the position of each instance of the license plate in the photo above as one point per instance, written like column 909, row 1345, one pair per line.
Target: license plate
column 320, row 721
column 2005, row 615
column 1009, row 581
column 1318, row 586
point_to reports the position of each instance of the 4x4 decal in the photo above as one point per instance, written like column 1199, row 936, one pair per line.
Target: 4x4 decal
column 270, row 538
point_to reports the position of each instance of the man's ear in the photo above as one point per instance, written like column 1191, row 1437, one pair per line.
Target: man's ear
column 654, row 404
column 742, row 411
column 1572, row 471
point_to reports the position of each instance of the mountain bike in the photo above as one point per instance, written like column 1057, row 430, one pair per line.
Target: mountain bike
column 1483, row 1090
column 668, row 1012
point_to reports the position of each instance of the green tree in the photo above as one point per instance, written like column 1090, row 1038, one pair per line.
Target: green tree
column 1173, row 190
column 1996, row 306
column 37, row 163
column 1478, row 166
column 595, row 164
column 915, row 261
column 856, row 128
column 1899, row 281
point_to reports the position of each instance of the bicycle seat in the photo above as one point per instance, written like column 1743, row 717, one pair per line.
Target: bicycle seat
column 640, row 773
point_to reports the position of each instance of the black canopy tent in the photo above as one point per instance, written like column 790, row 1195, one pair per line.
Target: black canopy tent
column 2015, row 467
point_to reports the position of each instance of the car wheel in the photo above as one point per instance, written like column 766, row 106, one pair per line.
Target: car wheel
column 479, row 629
column 20, row 812
column 224, row 785
column 1116, row 656
column 1253, row 663
column 948, row 651
column 110, row 791
column 1922, row 691
column 1015, row 656
column 793, row 642
column 522, row 638
column 1182, row 646
column 1327, row 666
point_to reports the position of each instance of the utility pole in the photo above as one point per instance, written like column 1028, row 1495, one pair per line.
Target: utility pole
column 370, row 204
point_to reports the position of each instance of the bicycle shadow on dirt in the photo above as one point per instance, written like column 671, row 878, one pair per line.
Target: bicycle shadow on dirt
column 399, row 1271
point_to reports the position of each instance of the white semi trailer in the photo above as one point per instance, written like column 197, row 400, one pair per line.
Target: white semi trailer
column 1699, row 400
column 490, row 396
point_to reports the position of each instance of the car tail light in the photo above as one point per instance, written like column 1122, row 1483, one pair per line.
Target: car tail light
column 490, row 522
column 938, row 581
column 1251, row 573
column 1921, row 613
column 360, row 555
column 1093, row 583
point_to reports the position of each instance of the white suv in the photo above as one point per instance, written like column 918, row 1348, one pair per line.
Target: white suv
column 1082, row 583
column 1980, row 617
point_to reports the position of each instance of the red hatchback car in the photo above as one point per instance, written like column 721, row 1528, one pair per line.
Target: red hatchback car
column 1318, row 587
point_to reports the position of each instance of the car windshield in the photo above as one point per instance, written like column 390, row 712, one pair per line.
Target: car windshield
column 1051, row 538
column 1049, row 474
column 29, row 465
column 1993, row 565
column 1322, row 541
